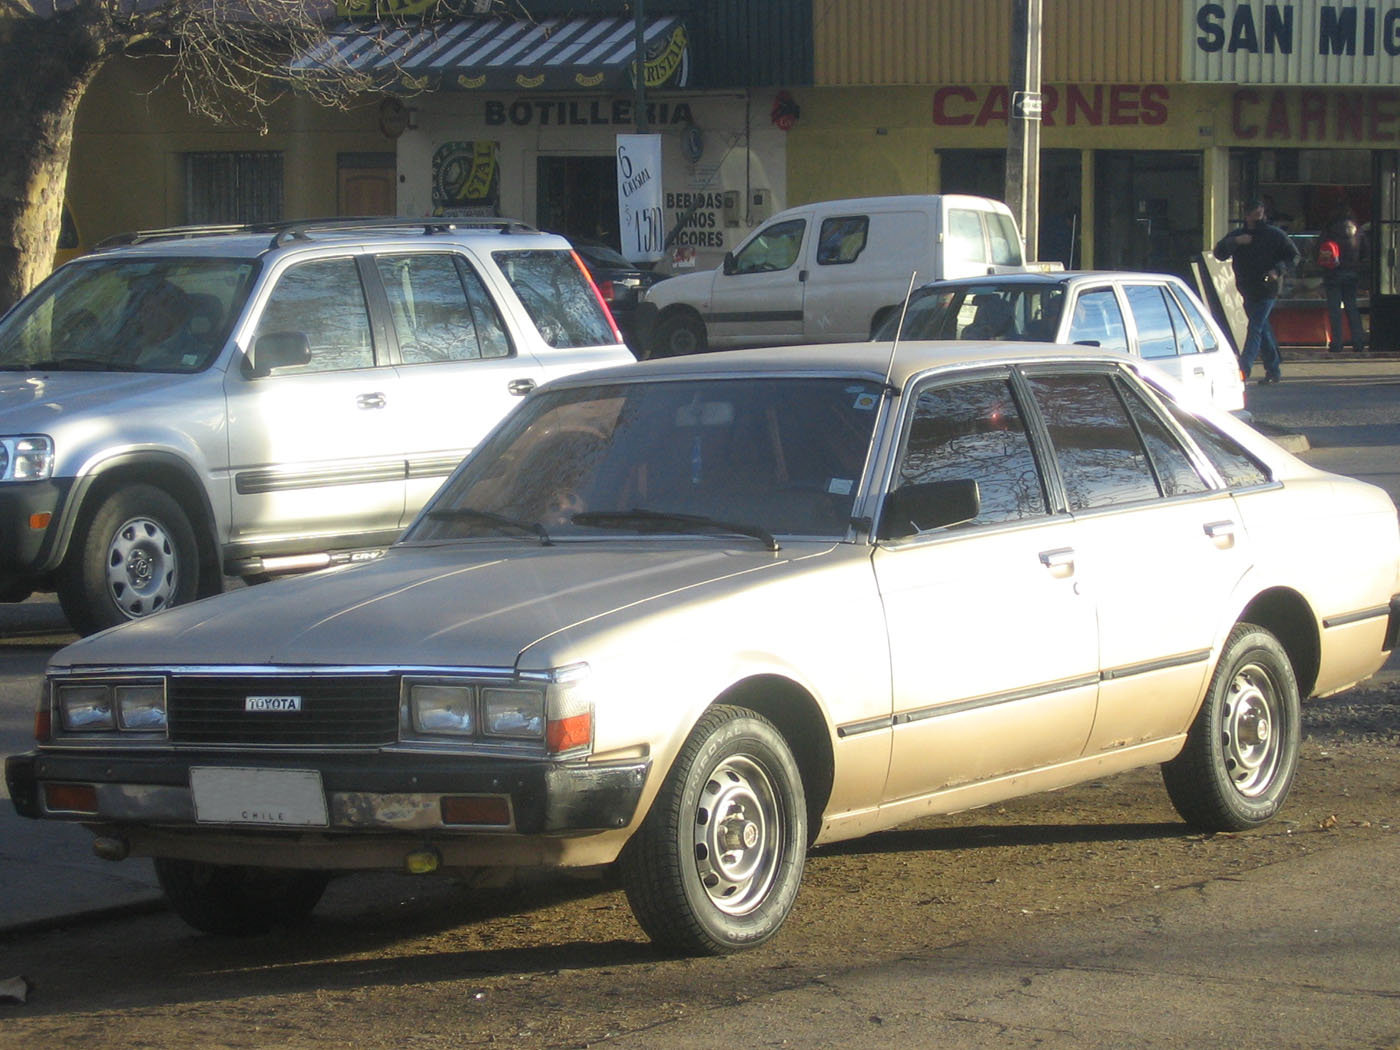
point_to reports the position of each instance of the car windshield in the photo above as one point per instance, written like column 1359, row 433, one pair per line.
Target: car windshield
column 127, row 315
column 753, row 457
column 987, row 310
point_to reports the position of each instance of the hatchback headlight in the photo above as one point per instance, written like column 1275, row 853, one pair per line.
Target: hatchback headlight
column 513, row 712
column 438, row 708
column 86, row 708
column 27, row 457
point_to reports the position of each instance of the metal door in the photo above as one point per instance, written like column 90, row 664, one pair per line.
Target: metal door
column 1385, row 252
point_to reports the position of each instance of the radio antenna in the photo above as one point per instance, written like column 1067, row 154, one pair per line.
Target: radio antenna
column 903, row 311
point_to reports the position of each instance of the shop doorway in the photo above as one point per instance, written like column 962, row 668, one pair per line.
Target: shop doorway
column 1148, row 209
column 366, row 183
column 1385, row 254
column 577, row 196
column 982, row 172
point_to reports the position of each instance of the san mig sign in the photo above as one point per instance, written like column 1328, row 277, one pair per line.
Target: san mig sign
column 1296, row 42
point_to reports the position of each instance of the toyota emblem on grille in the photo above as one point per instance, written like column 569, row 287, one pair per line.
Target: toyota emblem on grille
column 272, row 703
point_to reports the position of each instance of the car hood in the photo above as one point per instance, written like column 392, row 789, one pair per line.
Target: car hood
column 35, row 396
column 693, row 288
column 474, row 605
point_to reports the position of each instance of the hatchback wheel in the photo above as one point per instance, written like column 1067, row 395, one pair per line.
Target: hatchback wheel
column 1242, row 750
column 716, row 865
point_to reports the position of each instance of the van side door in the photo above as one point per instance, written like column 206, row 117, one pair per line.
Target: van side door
column 860, row 271
column 757, row 297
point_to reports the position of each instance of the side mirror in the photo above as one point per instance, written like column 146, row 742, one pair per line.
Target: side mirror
column 912, row 509
column 728, row 265
column 277, row 350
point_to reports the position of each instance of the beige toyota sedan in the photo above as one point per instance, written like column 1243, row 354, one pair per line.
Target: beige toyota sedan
column 690, row 617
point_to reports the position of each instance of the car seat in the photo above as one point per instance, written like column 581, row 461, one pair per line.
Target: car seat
column 992, row 319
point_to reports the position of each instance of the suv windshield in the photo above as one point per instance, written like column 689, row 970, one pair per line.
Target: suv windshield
column 980, row 311
column 127, row 315
column 756, row 457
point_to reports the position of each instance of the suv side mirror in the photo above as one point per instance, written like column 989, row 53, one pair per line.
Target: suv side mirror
column 728, row 262
column 277, row 350
column 912, row 509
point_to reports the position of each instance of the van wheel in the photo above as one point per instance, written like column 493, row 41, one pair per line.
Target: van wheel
column 135, row 556
column 716, row 864
column 678, row 335
column 1242, row 750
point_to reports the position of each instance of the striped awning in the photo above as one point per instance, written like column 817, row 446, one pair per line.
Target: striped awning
column 493, row 54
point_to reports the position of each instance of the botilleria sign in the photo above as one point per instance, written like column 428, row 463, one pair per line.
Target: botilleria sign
column 1298, row 42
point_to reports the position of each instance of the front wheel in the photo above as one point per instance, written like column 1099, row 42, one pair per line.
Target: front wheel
column 224, row 899
column 1242, row 750
column 716, row 864
column 677, row 335
column 134, row 556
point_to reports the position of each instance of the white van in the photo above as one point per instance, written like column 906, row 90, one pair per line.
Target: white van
column 828, row 272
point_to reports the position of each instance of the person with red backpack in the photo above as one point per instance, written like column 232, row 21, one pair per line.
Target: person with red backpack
column 1340, row 250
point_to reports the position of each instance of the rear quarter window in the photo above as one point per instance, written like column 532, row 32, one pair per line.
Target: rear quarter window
column 558, row 297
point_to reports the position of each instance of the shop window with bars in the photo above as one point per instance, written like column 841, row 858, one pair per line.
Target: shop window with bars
column 233, row 187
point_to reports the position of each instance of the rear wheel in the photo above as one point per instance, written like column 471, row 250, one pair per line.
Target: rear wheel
column 226, row 899
column 678, row 334
column 134, row 556
column 716, row 865
column 1242, row 751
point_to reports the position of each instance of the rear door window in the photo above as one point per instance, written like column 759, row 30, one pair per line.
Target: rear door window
column 558, row 296
column 440, row 309
column 842, row 238
column 1205, row 339
column 964, row 242
column 1156, row 334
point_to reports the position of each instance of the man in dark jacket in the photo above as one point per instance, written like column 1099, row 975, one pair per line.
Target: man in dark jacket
column 1341, row 278
column 1260, row 254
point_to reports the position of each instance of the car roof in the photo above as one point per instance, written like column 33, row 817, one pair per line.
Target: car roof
column 1051, row 278
column 256, row 240
column 868, row 360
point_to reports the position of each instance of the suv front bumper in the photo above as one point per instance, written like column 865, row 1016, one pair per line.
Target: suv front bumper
column 30, row 516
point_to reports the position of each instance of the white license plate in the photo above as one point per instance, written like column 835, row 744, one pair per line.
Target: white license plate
column 282, row 797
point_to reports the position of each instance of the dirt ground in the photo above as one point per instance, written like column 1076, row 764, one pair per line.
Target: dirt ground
column 392, row 962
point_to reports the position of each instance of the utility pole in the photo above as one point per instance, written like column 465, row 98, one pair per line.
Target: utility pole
column 639, row 69
column 1023, row 147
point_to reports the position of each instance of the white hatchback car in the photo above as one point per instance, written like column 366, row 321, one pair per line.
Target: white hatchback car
column 695, row 615
column 1154, row 316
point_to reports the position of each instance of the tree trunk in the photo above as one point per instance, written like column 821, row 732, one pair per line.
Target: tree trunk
column 36, row 135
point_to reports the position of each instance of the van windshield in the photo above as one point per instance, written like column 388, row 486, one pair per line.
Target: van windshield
column 127, row 315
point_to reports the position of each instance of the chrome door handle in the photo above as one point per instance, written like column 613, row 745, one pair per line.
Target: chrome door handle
column 1059, row 561
column 520, row 387
column 375, row 400
column 1221, row 533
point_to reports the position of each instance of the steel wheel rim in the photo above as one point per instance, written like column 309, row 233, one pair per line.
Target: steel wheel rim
column 737, row 835
column 1251, row 721
column 141, row 568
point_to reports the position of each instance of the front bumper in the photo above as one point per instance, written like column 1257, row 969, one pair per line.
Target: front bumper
column 27, row 552
column 378, row 793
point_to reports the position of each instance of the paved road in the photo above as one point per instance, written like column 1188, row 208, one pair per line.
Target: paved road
column 1349, row 411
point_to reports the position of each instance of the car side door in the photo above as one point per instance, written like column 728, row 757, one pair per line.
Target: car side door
column 1164, row 337
column 993, row 645
column 1161, row 547
column 315, row 445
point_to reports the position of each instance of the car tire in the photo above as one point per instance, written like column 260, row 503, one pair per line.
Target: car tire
column 1241, row 752
column 677, row 335
column 135, row 555
column 715, row 866
column 238, row 901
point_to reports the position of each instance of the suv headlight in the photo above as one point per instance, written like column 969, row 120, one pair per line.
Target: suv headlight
column 26, row 457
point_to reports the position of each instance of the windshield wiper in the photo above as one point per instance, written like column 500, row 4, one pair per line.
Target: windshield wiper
column 73, row 364
column 486, row 517
column 664, row 521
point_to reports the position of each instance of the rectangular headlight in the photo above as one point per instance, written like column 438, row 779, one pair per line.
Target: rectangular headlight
column 440, row 708
column 28, row 457
column 141, row 707
column 513, row 712
column 86, row 708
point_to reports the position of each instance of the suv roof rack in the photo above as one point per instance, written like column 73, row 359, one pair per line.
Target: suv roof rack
column 300, row 229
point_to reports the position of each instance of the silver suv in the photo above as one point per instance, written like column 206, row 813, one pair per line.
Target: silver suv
column 194, row 403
